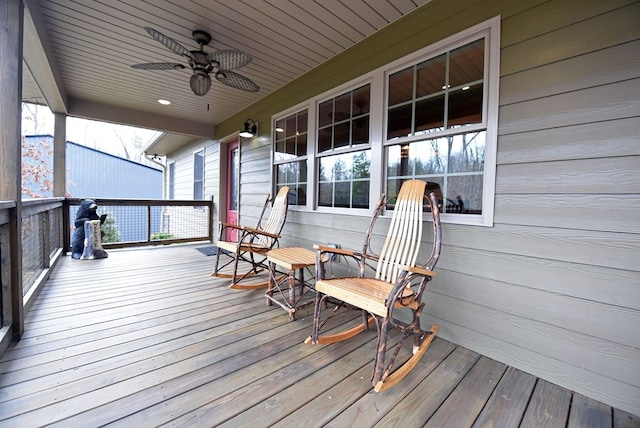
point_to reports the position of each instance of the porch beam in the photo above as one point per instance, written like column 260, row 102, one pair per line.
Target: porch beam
column 11, row 27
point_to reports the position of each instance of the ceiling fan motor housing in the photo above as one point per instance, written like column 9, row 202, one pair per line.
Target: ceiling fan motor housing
column 200, row 61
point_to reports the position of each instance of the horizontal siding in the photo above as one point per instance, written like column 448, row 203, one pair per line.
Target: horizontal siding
column 616, row 287
column 598, row 212
column 583, row 141
column 618, row 175
column 596, row 104
column 479, row 334
column 614, row 325
column 593, row 355
column 255, row 179
column 212, row 181
column 616, row 64
column 554, row 288
column 613, row 250
column 529, row 41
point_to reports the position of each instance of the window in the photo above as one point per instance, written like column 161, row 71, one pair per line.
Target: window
column 172, row 180
column 290, row 155
column 343, row 150
column 198, row 175
column 431, row 115
column 436, row 129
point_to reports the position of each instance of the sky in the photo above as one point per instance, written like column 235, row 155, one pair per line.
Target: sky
column 118, row 140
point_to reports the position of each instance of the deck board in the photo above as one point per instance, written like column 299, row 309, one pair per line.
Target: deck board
column 147, row 337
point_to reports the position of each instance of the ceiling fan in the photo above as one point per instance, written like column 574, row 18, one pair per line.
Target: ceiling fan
column 219, row 63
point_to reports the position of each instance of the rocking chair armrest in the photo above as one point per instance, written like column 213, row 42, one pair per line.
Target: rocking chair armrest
column 260, row 232
column 334, row 250
column 418, row 270
column 224, row 224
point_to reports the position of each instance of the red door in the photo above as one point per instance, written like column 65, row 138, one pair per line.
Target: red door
column 233, row 187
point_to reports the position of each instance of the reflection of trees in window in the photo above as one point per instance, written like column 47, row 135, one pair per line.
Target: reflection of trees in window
column 340, row 170
column 361, row 165
column 344, row 180
column 343, row 126
column 466, row 152
column 294, row 175
column 456, row 163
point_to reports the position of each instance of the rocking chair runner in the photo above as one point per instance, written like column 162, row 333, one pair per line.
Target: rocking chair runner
column 398, row 283
column 253, row 243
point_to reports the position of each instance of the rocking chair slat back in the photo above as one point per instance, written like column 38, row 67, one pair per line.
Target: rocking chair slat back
column 437, row 234
column 403, row 239
column 277, row 217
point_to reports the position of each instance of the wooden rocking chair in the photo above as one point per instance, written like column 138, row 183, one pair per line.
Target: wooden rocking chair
column 253, row 243
column 398, row 283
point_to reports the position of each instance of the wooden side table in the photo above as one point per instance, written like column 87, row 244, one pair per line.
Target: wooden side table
column 282, row 289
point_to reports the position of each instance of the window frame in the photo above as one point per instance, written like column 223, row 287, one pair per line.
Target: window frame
column 196, row 180
column 171, row 173
column 378, row 79
column 349, row 87
column 490, row 30
column 275, row 163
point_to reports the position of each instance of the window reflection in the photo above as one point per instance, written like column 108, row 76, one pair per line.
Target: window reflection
column 440, row 93
column 344, row 127
column 344, row 180
column 290, row 145
column 343, row 121
column 454, row 165
column 294, row 175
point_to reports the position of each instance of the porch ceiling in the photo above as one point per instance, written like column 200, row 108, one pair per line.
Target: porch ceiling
column 77, row 54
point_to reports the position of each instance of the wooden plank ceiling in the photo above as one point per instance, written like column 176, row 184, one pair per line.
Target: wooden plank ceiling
column 78, row 53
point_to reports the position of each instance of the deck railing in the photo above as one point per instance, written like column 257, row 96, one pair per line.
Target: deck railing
column 136, row 222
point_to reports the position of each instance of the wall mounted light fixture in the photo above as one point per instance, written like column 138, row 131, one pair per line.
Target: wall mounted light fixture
column 250, row 129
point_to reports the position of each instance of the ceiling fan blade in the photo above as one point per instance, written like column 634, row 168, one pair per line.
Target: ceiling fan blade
column 158, row 66
column 230, row 59
column 237, row 81
column 169, row 43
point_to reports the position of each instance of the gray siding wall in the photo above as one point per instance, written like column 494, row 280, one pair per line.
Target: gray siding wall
column 183, row 185
column 554, row 287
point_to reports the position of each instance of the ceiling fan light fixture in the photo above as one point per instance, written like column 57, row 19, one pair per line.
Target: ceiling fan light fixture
column 220, row 63
column 250, row 129
column 200, row 82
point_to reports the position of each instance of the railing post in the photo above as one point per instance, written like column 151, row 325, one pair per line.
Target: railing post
column 11, row 46
column 66, row 226
column 46, row 242
column 210, row 232
column 15, row 249
column 149, row 223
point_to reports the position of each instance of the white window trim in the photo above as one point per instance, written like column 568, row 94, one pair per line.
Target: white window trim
column 171, row 183
column 193, row 164
column 490, row 29
column 367, row 79
column 309, row 157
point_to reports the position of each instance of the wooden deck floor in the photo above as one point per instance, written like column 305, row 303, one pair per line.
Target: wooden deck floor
column 148, row 338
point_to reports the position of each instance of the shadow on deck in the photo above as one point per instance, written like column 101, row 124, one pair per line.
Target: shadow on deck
column 147, row 338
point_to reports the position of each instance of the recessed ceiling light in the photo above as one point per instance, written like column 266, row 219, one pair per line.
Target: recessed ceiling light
column 279, row 130
column 164, row 102
column 464, row 88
